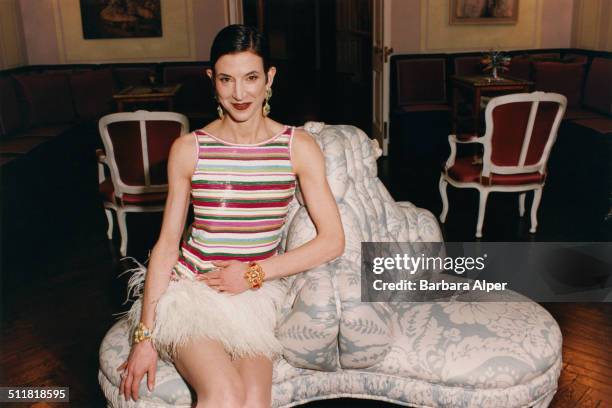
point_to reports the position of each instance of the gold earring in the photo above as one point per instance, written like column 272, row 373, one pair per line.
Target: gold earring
column 219, row 108
column 266, row 107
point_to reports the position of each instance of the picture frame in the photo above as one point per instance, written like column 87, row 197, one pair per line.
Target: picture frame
column 106, row 19
column 483, row 12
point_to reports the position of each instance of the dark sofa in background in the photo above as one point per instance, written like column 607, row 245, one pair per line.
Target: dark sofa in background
column 48, row 138
column 422, row 83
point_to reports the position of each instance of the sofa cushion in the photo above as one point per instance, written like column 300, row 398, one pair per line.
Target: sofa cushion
column 47, row 98
column 471, row 65
column 599, row 125
column 21, row 145
column 563, row 78
column 196, row 94
column 421, row 81
column 520, row 67
column 582, row 59
column 579, row 113
column 598, row 87
column 132, row 76
column 93, row 93
column 10, row 113
column 48, row 131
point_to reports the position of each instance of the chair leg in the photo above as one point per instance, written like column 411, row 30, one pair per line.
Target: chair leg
column 537, row 196
column 109, row 219
column 482, row 206
column 442, row 185
column 522, row 204
column 121, row 220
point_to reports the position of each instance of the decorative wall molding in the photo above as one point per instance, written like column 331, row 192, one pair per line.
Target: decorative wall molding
column 177, row 43
column 12, row 47
column 437, row 35
column 588, row 20
column 233, row 12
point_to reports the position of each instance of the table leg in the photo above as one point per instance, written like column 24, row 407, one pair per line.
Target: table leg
column 476, row 111
column 455, row 108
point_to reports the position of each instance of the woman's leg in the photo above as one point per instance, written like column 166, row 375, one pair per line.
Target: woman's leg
column 256, row 374
column 209, row 370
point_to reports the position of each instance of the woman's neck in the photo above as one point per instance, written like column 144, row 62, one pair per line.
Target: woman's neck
column 252, row 131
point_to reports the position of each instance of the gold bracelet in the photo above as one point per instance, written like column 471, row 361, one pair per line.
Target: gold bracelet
column 254, row 275
column 141, row 333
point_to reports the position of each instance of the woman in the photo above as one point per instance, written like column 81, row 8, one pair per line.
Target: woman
column 210, row 306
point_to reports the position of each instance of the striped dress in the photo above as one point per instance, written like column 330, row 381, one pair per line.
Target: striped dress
column 240, row 195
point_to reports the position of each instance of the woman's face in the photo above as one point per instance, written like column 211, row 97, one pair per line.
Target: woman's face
column 240, row 84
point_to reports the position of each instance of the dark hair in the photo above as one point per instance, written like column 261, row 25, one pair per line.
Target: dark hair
column 237, row 38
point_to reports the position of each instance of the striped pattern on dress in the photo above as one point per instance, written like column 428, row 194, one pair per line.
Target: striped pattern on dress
column 240, row 195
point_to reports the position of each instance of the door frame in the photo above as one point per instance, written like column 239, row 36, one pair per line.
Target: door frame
column 233, row 12
column 384, row 51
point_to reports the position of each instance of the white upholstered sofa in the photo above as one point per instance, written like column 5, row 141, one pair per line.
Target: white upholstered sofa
column 417, row 354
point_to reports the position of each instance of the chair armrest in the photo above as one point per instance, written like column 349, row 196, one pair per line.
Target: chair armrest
column 462, row 139
column 308, row 326
column 466, row 138
column 101, row 157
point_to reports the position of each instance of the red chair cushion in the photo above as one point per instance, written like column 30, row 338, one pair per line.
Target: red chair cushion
column 598, row 87
column 107, row 193
column 466, row 171
column 563, row 78
column 93, row 93
column 48, row 98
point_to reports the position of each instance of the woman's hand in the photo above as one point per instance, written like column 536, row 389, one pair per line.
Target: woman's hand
column 142, row 359
column 229, row 277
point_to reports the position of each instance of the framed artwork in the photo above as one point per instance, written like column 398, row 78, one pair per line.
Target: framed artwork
column 121, row 18
column 483, row 11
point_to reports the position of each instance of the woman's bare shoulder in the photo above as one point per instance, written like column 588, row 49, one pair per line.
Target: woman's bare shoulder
column 306, row 152
column 303, row 138
column 184, row 144
column 184, row 153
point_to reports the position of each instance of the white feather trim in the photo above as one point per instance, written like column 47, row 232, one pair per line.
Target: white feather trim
column 190, row 309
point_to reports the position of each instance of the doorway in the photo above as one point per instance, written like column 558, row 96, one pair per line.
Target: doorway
column 323, row 53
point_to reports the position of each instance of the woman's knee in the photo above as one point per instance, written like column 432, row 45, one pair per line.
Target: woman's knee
column 257, row 399
column 224, row 395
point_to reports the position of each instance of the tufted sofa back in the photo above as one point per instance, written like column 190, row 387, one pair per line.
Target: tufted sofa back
column 324, row 324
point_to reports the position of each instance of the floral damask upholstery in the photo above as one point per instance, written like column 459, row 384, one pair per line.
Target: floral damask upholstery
column 489, row 354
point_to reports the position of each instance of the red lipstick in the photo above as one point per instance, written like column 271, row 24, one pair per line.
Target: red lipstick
column 241, row 106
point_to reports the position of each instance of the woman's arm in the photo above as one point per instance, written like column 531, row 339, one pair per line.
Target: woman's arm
column 164, row 255
column 309, row 166
column 143, row 358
